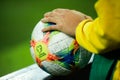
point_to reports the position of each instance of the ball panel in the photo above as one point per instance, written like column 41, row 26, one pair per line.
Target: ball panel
column 37, row 34
column 54, row 68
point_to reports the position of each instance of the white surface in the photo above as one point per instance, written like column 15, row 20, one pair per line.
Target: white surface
column 32, row 72
column 91, row 59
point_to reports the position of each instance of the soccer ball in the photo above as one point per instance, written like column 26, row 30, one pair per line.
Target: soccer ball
column 56, row 52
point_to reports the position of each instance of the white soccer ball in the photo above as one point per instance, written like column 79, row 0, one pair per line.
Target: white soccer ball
column 56, row 52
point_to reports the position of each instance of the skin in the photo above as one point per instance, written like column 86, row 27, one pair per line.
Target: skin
column 66, row 20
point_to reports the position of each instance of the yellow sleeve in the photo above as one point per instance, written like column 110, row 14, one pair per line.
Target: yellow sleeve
column 103, row 33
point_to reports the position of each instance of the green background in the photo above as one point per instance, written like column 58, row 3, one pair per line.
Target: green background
column 17, row 20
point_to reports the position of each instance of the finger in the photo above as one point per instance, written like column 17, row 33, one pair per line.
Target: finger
column 49, row 19
column 57, row 10
column 47, row 14
column 78, row 12
column 50, row 28
column 44, row 19
column 51, row 14
column 88, row 17
column 60, row 9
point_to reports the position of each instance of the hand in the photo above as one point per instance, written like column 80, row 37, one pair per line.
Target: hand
column 66, row 20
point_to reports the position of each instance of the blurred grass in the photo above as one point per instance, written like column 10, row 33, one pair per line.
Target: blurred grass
column 17, row 20
column 15, row 57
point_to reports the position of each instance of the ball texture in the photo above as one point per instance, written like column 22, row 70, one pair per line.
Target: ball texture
column 56, row 52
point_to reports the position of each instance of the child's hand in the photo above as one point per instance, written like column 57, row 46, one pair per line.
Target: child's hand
column 66, row 20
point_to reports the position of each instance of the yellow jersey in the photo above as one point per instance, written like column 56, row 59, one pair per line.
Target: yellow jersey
column 102, row 34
